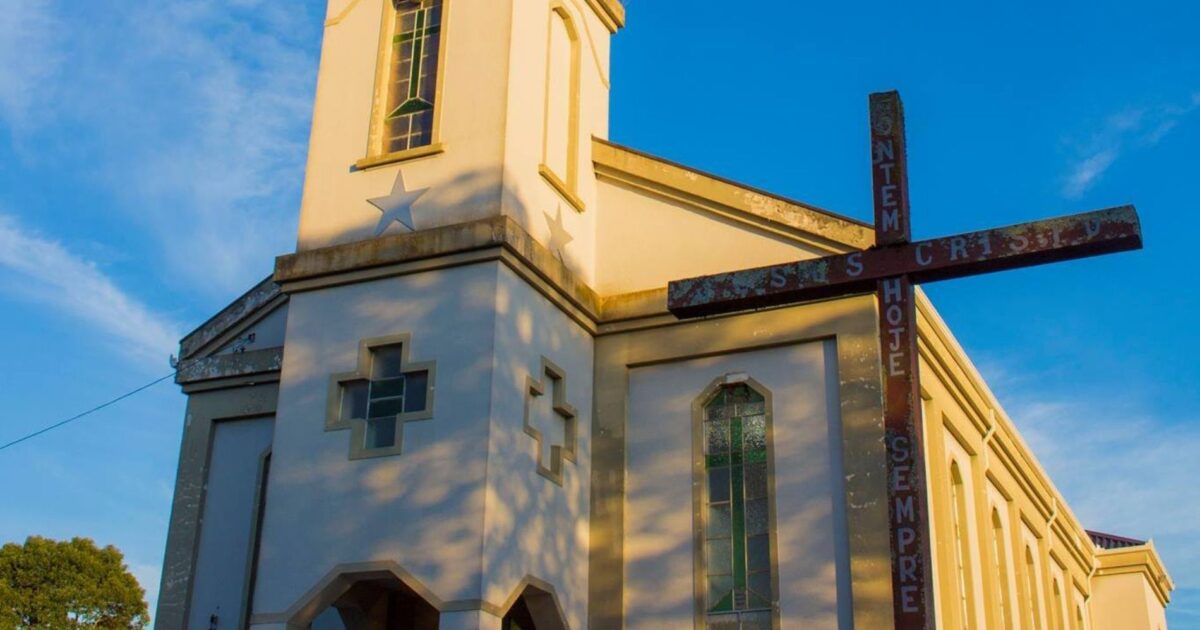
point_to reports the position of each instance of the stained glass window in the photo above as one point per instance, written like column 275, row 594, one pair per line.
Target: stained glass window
column 408, row 121
column 389, row 392
column 737, row 544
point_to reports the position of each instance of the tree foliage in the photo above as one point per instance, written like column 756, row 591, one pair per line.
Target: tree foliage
column 59, row 584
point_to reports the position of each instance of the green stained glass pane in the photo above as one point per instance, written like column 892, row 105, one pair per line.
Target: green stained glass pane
column 716, row 437
column 722, row 622
column 386, row 408
column 720, row 593
column 417, row 384
column 354, row 400
column 756, row 480
column 385, row 362
column 719, row 521
column 760, row 584
column 759, row 620
column 714, row 411
column 756, row 517
column 387, row 388
column 758, row 553
column 381, row 433
column 719, row 555
column 754, row 430
column 716, row 460
column 718, row 485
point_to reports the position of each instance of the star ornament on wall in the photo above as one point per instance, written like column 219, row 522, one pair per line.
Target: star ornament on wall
column 559, row 237
column 397, row 206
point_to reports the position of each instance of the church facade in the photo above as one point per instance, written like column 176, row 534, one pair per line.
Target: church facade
column 462, row 403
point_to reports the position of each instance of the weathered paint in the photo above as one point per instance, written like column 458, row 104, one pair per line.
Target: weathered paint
column 1026, row 244
column 908, row 505
column 891, row 268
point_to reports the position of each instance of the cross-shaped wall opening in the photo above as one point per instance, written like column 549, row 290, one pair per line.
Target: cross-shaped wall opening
column 381, row 395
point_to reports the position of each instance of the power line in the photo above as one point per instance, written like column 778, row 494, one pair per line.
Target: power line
column 88, row 412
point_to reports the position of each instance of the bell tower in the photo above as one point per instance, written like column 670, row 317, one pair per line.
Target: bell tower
column 435, row 112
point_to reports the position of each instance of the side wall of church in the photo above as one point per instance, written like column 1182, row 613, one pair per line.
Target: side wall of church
column 423, row 509
column 1008, row 552
column 535, row 527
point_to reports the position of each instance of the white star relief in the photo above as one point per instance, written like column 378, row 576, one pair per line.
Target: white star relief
column 559, row 237
column 397, row 206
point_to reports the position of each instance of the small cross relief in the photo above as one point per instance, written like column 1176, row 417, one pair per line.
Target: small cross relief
column 550, row 415
column 385, row 391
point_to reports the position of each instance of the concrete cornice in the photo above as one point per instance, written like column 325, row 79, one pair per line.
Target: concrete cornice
column 225, row 366
column 825, row 229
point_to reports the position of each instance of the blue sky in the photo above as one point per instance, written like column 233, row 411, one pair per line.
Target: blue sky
column 151, row 156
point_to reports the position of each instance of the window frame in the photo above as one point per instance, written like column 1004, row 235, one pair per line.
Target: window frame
column 376, row 154
column 700, row 497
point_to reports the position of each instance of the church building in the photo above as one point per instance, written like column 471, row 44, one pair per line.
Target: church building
column 462, row 402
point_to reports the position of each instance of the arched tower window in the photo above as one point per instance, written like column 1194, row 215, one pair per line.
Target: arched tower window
column 737, row 584
column 560, row 141
column 406, row 91
column 959, row 517
column 1001, row 559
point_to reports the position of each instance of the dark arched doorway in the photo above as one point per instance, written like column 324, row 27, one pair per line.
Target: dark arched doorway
column 378, row 604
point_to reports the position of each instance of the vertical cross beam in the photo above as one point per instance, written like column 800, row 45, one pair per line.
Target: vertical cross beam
column 908, row 508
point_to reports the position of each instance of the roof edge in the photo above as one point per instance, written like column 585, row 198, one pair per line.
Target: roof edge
column 611, row 13
column 228, row 317
column 1143, row 559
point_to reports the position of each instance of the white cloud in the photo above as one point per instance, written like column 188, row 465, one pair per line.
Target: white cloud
column 1086, row 172
column 1122, row 471
column 45, row 271
column 1144, row 127
column 194, row 114
column 27, row 31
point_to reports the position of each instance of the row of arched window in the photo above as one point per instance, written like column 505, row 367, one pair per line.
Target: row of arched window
column 1025, row 609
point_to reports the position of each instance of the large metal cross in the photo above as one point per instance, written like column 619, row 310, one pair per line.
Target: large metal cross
column 891, row 268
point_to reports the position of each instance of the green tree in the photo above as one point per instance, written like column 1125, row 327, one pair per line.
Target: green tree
column 58, row 584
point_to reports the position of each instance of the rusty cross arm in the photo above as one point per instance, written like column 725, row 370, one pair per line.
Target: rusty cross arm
column 1026, row 244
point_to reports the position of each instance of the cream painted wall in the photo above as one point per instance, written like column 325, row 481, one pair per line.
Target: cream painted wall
column 532, row 525
column 530, row 198
column 812, row 553
column 1125, row 602
column 423, row 509
column 492, row 114
column 645, row 241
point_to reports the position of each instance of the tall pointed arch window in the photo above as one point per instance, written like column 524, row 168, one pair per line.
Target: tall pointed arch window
column 959, row 518
column 1033, row 606
column 1002, row 564
column 407, row 84
column 1059, row 621
column 736, row 575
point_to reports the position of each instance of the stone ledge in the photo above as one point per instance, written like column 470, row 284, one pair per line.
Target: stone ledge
column 229, row 365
